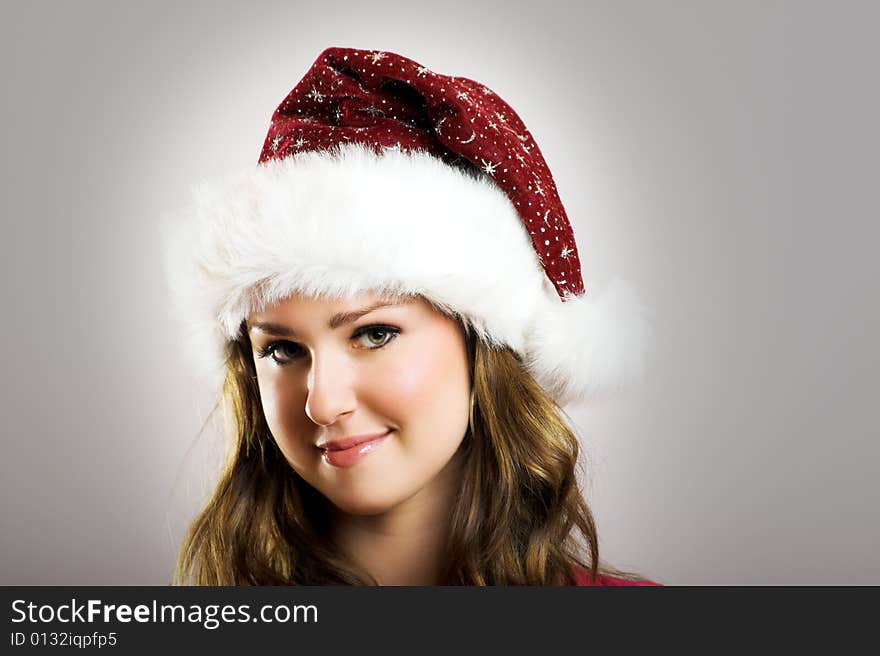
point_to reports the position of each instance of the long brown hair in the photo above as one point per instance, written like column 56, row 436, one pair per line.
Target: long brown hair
column 521, row 518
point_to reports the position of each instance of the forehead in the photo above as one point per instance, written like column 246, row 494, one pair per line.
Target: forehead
column 299, row 305
column 299, row 312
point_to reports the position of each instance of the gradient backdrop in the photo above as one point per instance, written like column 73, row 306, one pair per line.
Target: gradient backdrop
column 720, row 156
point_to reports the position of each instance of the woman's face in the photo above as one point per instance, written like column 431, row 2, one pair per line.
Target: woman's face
column 329, row 372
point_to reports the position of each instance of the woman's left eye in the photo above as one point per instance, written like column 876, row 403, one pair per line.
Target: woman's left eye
column 376, row 336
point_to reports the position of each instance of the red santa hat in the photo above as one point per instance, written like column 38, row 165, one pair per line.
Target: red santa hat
column 380, row 174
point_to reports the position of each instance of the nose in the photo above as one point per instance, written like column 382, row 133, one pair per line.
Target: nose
column 330, row 388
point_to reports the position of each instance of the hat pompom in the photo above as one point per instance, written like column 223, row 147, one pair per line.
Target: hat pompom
column 594, row 345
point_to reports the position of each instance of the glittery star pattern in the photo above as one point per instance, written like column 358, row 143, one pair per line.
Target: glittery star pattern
column 390, row 102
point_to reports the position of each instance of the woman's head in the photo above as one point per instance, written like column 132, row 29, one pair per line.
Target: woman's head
column 507, row 475
column 331, row 372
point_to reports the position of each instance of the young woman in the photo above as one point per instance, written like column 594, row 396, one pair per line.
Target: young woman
column 394, row 304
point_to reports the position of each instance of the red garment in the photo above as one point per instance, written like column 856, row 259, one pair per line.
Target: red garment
column 582, row 577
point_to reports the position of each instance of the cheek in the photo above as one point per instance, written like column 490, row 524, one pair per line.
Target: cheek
column 280, row 401
column 274, row 399
column 427, row 385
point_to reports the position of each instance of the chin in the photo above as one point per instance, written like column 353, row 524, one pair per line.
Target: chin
column 363, row 505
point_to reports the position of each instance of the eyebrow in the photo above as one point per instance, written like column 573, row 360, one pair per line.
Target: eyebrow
column 337, row 320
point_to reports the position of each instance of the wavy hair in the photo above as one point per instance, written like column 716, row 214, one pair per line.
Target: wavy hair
column 521, row 518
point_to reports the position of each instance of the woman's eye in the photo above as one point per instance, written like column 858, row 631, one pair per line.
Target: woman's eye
column 286, row 349
column 376, row 336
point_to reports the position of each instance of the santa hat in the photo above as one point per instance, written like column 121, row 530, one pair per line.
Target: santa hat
column 379, row 174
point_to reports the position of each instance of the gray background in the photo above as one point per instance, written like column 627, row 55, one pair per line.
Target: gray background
column 720, row 156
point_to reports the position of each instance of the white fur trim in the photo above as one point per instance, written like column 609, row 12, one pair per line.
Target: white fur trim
column 340, row 222
column 590, row 346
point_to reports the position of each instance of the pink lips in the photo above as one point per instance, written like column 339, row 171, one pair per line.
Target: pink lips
column 350, row 450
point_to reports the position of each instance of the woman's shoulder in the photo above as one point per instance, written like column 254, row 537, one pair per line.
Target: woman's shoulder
column 582, row 577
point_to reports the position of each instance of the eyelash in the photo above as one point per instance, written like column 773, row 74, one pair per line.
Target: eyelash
column 270, row 349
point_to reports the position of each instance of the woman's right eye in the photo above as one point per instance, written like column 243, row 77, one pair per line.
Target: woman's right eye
column 287, row 351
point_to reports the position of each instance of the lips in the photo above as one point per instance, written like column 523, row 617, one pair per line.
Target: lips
column 347, row 451
column 344, row 443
